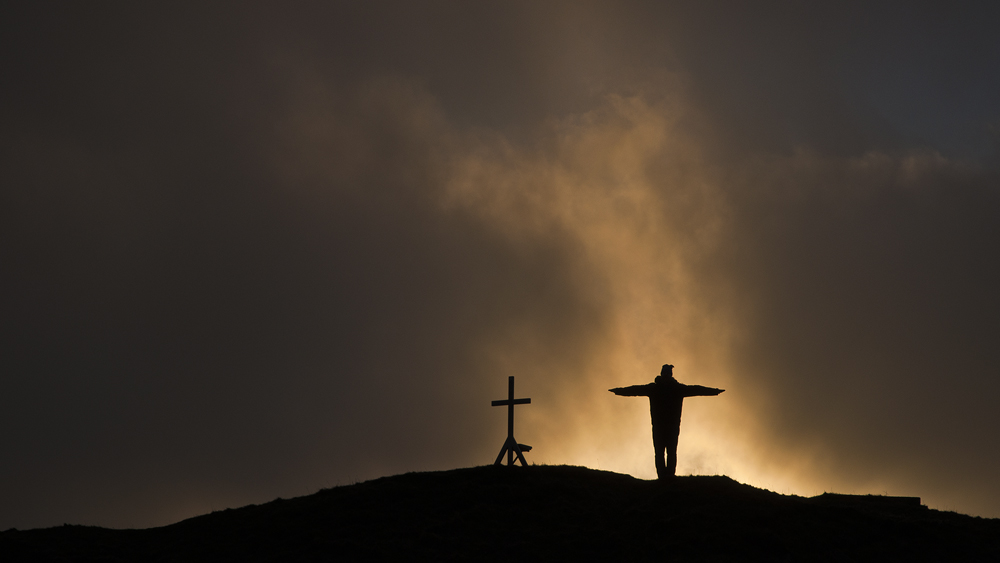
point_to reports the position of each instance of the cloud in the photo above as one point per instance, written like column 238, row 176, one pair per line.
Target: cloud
column 866, row 316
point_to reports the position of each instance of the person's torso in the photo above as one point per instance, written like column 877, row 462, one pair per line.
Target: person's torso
column 665, row 403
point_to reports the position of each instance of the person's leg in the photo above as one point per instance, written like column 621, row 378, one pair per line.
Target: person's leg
column 671, row 445
column 658, row 445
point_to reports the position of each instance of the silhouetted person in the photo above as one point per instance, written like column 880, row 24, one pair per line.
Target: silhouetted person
column 666, row 396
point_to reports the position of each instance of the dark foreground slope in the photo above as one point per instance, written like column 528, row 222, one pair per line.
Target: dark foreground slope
column 536, row 513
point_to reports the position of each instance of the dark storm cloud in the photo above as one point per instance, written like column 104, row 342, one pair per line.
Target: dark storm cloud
column 249, row 250
column 224, row 266
column 868, row 313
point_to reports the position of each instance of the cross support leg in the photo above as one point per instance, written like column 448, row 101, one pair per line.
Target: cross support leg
column 510, row 448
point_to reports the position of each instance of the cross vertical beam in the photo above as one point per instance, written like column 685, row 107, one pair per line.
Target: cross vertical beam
column 510, row 417
column 510, row 446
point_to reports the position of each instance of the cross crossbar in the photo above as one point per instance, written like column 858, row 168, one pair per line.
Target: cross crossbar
column 510, row 445
column 509, row 402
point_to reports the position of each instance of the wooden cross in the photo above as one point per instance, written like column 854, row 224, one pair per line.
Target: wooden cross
column 510, row 446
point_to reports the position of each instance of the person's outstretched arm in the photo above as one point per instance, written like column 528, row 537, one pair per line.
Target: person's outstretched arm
column 632, row 390
column 701, row 391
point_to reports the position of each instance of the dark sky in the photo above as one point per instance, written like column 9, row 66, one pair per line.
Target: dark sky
column 253, row 250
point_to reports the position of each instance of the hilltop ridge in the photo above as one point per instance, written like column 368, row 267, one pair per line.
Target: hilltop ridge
column 537, row 513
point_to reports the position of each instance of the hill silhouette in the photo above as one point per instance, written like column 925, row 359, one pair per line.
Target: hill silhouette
column 545, row 513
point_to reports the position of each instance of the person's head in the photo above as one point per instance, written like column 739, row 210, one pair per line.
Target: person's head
column 666, row 374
